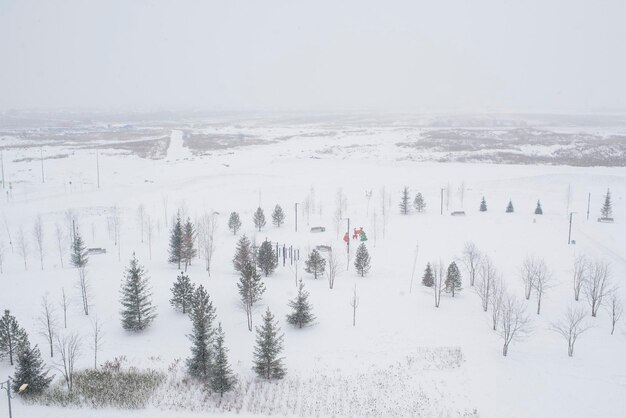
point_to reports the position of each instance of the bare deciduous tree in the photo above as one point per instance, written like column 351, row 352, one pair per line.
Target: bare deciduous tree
column 596, row 285
column 542, row 281
column 149, row 232
column 70, row 218
column 354, row 302
column 22, row 246
column 2, row 249
column 384, row 211
column 514, row 322
column 497, row 299
column 528, row 274
column 141, row 213
column 164, row 200
column 65, row 304
column 84, row 288
column 117, row 225
column 97, row 339
column 38, row 234
column 581, row 269
column 571, row 326
column 615, row 309
column 48, row 323
column 207, row 226
column 60, row 241
column 471, row 261
column 484, row 281
column 68, row 347
column 439, row 279
column 333, row 261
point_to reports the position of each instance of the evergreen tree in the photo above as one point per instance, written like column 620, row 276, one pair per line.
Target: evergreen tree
column 315, row 264
column 234, row 223
column 419, row 203
column 483, row 205
column 453, row 279
column 189, row 239
column 509, row 207
column 269, row 344
column 428, row 279
column 259, row 219
column 301, row 315
column 176, row 242
column 278, row 216
column 30, row 369
column 200, row 363
column 243, row 253
column 222, row 378
column 79, row 257
column 607, row 206
column 182, row 293
column 538, row 210
column 362, row 260
column 266, row 258
column 251, row 289
column 405, row 206
column 137, row 309
column 12, row 337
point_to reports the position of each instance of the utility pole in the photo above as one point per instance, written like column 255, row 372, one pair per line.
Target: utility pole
column 43, row 179
column 442, row 201
column 569, row 235
column 348, row 244
column 7, row 385
column 588, row 204
column 98, row 168
column 296, row 205
column 2, row 161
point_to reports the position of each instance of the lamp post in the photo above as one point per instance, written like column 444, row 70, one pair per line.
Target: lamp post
column 569, row 234
column 442, row 189
column 348, row 244
column 7, row 385
column 296, row 206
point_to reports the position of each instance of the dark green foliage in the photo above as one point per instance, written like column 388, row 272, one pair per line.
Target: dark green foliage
column 509, row 207
column 419, row 203
column 137, row 309
column 362, row 260
column 189, row 239
column 234, row 223
column 428, row 279
column 79, row 256
column 405, row 200
column 453, row 279
column 182, row 293
column 30, row 369
column 266, row 258
column 202, row 316
column 12, row 337
column 269, row 344
column 278, row 216
column 259, row 219
column 302, row 310
column 243, row 253
column 538, row 210
column 483, row 205
column 176, row 242
column 315, row 264
column 607, row 206
column 222, row 379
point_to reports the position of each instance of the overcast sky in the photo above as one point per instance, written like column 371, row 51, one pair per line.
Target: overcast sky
column 417, row 55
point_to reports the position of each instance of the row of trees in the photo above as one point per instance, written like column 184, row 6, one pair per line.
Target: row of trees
column 278, row 219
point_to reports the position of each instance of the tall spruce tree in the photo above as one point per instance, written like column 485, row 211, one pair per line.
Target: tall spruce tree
column 419, row 203
column 428, row 279
column 362, row 260
column 234, row 222
column 79, row 257
column 222, row 378
column 266, row 258
column 182, row 293
column 453, row 279
column 301, row 314
column 278, row 216
column 243, row 253
column 483, row 205
column 259, row 219
column 315, row 264
column 137, row 308
column 607, row 206
column 30, row 369
column 509, row 207
column 250, row 288
column 176, row 242
column 405, row 201
column 199, row 365
column 189, row 243
column 12, row 337
column 538, row 209
column 269, row 344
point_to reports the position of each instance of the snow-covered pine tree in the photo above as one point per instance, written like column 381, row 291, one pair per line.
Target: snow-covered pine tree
column 251, row 289
column 30, row 369
column 483, row 205
column 266, row 258
column 419, row 203
column 428, row 279
column 12, row 337
column 243, row 253
column 453, row 279
column 79, row 257
column 362, row 260
column 259, row 218
column 278, row 216
column 176, row 242
column 405, row 201
column 302, row 310
column 538, row 210
column 315, row 264
column 200, row 363
column 607, row 206
column 222, row 378
column 137, row 309
column 189, row 243
column 182, row 293
column 509, row 207
column 234, row 222
column 269, row 344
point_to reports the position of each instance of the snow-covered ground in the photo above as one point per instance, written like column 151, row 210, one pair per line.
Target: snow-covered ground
column 404, row 356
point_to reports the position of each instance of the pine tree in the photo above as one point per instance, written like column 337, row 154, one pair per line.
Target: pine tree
column 278, row 216
column 453, row 279
column 200, row 363
column 222, row 378
column 269, row 344
column 79, row 257
column 483, row 205
column 404, row 205
column 176, row 242
column 315, row 264
column 182, row 293
column 419, row 203
column 607, row 207
column 243, row 253
column 301, row 315
column 538, row 210
column 137, row 309
column 251, row 289
column 266, row 258
column 12, row 337
column 30, row 369
column 189, row 239
column 509, row 207
column 429, row 279
column 234, row 223
column 362, row 260
column 259, row 219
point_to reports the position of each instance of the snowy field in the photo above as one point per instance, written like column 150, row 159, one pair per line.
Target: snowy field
column 404, row 357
